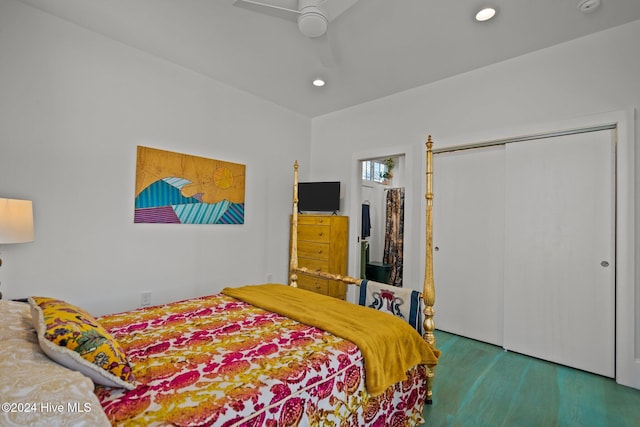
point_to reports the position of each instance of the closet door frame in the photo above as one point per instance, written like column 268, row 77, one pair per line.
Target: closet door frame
column 627, row 343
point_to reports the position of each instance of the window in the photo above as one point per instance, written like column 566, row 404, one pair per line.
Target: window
column 374, row 170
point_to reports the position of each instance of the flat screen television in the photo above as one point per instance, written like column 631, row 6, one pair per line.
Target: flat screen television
column 319, row 196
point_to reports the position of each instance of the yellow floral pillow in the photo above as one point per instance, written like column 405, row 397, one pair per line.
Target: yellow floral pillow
column 73, row 338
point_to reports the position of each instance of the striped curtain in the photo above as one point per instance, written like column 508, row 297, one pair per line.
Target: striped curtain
column 394, row 235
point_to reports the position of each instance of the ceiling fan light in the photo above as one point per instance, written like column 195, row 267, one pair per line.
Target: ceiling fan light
column 313, row 23
column 318, row 82
column 485, row 14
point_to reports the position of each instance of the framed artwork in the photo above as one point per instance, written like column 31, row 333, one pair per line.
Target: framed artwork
column 174, row 188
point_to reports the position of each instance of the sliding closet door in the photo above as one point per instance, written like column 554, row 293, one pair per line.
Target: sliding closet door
column 469, row 242
column 559, row 254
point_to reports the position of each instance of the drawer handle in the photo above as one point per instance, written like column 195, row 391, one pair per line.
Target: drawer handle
column 317, row 286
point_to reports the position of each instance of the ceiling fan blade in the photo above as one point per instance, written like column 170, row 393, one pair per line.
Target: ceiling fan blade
column 285, row 9
column 315, row 18
column 324, row 50
column 335, row 8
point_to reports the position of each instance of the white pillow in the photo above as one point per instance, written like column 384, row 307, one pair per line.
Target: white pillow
column 38, row 392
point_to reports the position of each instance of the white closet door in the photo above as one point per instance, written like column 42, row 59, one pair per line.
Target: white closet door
column 469, row 237
column 559, row 266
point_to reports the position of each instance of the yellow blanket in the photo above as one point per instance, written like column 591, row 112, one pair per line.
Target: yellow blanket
column 390, row 346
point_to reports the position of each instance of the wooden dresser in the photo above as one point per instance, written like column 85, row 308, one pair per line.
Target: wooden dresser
column 322, row 245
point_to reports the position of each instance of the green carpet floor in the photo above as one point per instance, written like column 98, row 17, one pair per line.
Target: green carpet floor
column 479, row 384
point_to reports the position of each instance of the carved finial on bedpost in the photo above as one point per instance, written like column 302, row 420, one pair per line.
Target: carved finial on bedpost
column 428, row 292
column 293, row 277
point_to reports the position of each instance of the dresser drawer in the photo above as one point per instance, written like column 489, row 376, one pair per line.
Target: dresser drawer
column 314, row 220
column 313, row 250
column 314, row 233
column 320, row 286
column 314, row 264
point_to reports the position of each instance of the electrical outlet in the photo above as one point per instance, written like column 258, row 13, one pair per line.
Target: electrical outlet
column 145, row 299
column 269, row 277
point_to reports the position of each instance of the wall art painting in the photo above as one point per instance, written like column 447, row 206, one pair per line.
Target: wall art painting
column 176, row 188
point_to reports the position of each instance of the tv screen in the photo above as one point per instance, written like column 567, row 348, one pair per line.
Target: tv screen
column 319, row 196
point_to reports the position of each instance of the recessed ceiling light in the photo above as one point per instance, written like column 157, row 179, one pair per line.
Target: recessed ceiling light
column 485, row 14
column 318, row 82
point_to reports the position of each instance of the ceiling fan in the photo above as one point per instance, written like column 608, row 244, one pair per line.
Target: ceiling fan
column 312, row 16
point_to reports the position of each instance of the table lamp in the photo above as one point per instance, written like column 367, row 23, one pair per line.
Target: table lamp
column 16, row 222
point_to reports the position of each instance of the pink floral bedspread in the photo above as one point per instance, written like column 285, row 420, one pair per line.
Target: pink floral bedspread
column 217, row 361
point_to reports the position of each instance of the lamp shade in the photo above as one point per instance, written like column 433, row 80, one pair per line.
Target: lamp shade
column 16, row 221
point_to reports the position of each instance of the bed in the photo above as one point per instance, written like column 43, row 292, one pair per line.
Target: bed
column 257, row 355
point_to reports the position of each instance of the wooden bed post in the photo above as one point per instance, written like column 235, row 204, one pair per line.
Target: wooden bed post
column 428, row 293
column 293, row 265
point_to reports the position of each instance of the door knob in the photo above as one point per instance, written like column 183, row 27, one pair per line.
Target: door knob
column 604, row 263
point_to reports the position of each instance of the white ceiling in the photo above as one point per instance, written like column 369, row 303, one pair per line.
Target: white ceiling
column 380, row 46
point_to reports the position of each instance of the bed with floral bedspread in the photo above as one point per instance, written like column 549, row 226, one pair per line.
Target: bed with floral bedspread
column 219, row 361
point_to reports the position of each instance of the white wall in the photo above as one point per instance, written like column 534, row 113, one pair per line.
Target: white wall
column 588, row 76
column 73, row 107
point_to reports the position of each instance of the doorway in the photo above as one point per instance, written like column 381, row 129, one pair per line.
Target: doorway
column 381, row 223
